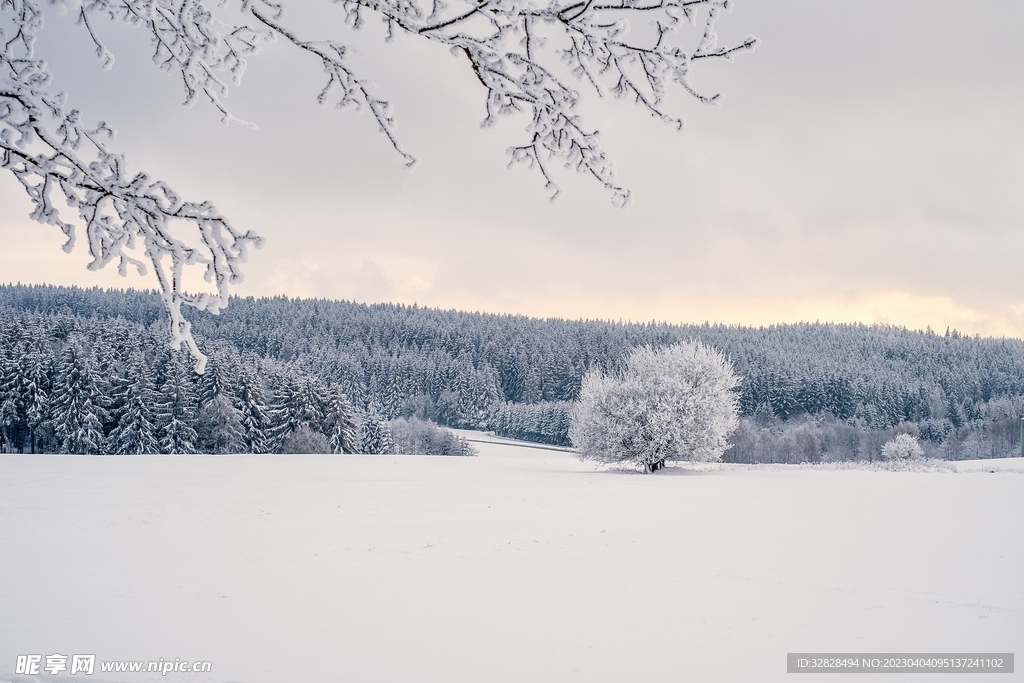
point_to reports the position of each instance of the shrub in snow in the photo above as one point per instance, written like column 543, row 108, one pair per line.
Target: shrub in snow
column 675, row 403
column 305, row 440
column 902, row 447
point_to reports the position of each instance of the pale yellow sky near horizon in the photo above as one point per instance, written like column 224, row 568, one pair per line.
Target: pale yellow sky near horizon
column 33, row 256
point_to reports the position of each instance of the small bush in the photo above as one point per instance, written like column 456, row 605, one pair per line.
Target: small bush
column 305, row 440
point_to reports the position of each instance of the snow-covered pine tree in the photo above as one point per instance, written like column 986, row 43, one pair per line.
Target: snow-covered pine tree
column 175, row 413
column 375, row 436
column 311, row 407
column 479, row 396
column 253, row 409
column 108, row 350
column 221, row 370
column 76, row 411
column 300, row 400
column 782, row 396
column 282, row 387
column 383, row 389
column 8, row 405
column 135, row 433
column 10, row 415
column 843, row 397
column 340, row 424
column 220, row 427
column 110, row 353
column 8, row 420
column 24, row 383
column 36, row 396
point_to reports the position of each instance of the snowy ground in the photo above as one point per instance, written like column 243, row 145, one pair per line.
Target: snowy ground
column 995, row 465
column 518, row 565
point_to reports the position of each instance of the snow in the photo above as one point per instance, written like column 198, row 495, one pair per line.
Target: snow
column 521, row 564
column 990, row 465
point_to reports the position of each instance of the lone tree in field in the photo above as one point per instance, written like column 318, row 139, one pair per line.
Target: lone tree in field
column 901, row 448
column 525, row 54
column 675, row 403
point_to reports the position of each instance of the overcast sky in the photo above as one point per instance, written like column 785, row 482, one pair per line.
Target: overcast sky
column 866, row 164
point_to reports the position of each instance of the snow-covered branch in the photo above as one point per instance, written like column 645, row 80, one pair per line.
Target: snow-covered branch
column 525, row 54
column 53, row 153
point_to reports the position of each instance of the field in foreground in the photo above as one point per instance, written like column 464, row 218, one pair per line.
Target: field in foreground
column 518, row 565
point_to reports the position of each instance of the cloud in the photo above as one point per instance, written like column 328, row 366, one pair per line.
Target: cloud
column 862, row 166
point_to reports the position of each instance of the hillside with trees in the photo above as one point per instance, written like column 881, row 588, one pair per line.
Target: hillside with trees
column 808, row 391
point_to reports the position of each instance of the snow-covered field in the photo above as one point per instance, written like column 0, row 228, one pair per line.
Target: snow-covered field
column 519, row 565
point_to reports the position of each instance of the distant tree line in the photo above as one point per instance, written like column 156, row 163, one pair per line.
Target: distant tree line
column 518, row 375
column 823, row 437
column 109, row 386
column 75, row 385
column 419, row 437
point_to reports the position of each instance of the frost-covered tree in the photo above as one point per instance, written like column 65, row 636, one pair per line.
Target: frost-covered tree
column 300, row 400
column 383, row 390
column 8, row 404
column 8, row 420
column 76, row 411
column 526, row 56
column 11, row 412
column 219, row 427
column 255, row 414
column 340, row 423
column 36, row 373
column 305, row 441
column 136, row 432
column 375, row 435
column 24, row 388
column 675, row 403
column 57, row 155
column 175, row 411
column 220, row 376
column 902, row 447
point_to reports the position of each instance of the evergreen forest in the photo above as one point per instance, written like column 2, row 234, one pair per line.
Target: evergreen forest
column 89, row 371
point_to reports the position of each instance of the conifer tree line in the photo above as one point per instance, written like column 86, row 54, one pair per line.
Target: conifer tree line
column 519, row 376
column 71, row 385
